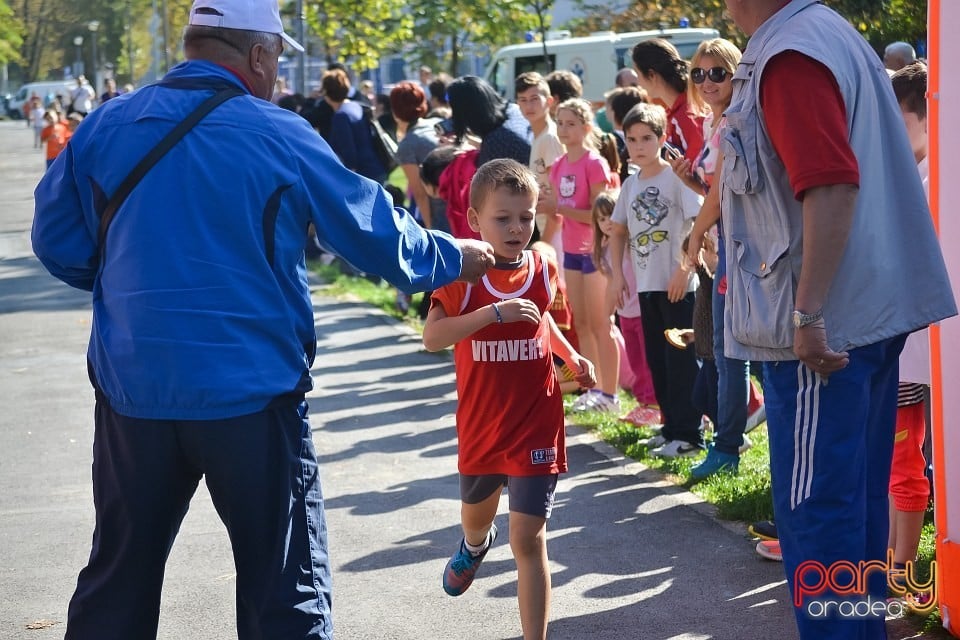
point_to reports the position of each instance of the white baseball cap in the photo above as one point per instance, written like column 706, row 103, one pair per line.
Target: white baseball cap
column 249, row 15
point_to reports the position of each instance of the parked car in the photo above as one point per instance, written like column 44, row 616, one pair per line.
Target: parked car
column 46, row 89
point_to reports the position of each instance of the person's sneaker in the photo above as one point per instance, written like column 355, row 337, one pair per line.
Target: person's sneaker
column 585, row 401
column 755, row 419
column 744, row 444
column 676, row 449
column 756, row 411
column 653, row 442
column 644, row 415
column 770, row 549
column 764, row 529
column 715, row 462
column 605, row 404
column 403, row 302
column 462, row 567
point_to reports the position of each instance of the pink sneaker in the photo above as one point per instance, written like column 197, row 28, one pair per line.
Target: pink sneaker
column 770, row 549
column 644, row 415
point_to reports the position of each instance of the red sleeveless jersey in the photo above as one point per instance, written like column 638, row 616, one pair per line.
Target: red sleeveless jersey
column 509, row 409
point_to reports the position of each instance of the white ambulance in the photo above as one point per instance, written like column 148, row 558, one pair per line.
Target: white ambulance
column 595, row 58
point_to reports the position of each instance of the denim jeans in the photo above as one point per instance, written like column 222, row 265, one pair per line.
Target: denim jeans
column 733, row 386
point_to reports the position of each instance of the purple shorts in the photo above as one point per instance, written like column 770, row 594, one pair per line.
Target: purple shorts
column 582, row 262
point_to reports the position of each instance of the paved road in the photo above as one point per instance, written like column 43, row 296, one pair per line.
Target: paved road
column 633, row 556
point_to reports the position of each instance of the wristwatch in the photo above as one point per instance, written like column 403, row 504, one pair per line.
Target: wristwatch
column 801, row 319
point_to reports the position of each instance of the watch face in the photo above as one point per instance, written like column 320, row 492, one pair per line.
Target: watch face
column 797, row 319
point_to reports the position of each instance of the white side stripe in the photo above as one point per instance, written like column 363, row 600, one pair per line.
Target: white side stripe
column 804, row 434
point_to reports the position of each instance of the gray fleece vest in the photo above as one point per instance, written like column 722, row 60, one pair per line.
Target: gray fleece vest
column 892, row 278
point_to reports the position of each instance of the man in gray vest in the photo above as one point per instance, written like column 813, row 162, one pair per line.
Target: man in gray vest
column 832, row 260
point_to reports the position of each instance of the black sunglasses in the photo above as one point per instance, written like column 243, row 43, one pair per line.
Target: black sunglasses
column 716, row 74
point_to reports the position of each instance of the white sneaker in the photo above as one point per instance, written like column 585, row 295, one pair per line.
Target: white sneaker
column 676, row 449
column 605, row 404
column 654, row 442
column 586, row 401
column 746, row 444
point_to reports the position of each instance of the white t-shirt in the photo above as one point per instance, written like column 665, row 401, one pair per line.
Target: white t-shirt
column 658, row 213
column 82, row 98
column 36, row 117
column 545, row 150
column 915, row 357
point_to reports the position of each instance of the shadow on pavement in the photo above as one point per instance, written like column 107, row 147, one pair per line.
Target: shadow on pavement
column 28, row 287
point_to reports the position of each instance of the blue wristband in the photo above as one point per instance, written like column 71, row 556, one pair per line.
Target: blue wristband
column 496, row 310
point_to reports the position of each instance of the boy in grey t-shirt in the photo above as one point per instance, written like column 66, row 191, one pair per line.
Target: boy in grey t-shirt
column 654, row 212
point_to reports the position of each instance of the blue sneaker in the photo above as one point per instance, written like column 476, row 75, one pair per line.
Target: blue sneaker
column 715, row 462
column 462, row 567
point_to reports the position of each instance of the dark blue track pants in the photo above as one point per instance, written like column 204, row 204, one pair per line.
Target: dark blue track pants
column 261, row 471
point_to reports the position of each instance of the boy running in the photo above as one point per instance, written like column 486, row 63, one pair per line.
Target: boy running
column 509, row 412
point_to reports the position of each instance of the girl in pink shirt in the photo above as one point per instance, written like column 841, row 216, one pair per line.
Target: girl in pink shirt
column 576, row 179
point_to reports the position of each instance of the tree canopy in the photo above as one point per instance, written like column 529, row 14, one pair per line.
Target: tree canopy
column 37, row 36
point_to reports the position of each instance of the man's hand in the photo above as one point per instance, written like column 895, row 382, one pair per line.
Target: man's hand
column 810, row 345
column 477, row 258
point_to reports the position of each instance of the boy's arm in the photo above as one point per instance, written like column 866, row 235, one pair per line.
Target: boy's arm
column 679, row 281
column 441, row 331
column 583, row 369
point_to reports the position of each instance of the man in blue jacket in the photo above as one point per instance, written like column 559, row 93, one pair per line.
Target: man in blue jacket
column 203, row 332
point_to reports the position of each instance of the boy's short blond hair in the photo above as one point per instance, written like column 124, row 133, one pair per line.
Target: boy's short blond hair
column 651, row 115
column 502, row 172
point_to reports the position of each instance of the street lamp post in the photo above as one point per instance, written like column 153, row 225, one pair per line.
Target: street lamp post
column 94, row 26
column 301, row 55
column 78, row 64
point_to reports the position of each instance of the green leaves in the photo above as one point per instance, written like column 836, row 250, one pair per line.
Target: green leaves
column 11, row 34
column 361, row 31
column 880, row 21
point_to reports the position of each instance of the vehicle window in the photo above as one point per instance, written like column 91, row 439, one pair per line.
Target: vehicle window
column 536, row 63
column 686, row 49
column 22, row 94
column 498, row 78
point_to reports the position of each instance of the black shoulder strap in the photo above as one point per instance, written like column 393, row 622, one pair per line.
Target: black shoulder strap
column 154, row 155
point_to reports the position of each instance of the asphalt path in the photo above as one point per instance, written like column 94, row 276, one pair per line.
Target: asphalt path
column 632, row 555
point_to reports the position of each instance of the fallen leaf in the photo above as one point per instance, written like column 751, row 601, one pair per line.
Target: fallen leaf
column 41, row 624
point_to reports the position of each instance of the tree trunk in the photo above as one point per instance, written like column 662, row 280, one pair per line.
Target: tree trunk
column 454, row 55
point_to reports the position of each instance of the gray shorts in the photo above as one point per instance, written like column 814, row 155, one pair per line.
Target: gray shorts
column 532, row 495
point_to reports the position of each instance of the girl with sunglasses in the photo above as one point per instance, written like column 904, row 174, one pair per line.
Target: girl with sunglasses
column 663, row 74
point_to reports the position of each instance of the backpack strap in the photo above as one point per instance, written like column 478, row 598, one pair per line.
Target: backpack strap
column 154, row 155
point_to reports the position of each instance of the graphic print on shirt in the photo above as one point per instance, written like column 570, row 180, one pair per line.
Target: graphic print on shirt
column 568, row 186
column 650, row 208
column 540, row 168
